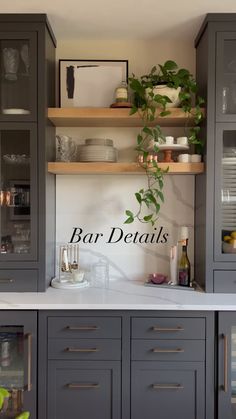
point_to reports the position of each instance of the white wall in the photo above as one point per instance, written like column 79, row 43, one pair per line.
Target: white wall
column 98, row 203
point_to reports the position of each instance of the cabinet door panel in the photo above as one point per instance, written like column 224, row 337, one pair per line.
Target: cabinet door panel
column 18, row 71
column 226, row 77
column 82, row 390
column 167, row 390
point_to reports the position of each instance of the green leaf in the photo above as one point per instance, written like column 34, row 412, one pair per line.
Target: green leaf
column 24, row 415
column 138, row 197
column 148, row 217
column 161, row 196
column 170, row 65
column 129, row 220
column 165, row 113
column 133, row 110
column 129, row 213
column 1, row 400
column 139, row 139
column 147, row 130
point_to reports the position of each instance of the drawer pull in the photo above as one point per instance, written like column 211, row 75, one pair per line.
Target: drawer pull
column 83, row 328
column 167, row 386
column 82, row 350
column 86, row 385
column 167, row 351
column 225, row 386
column 167, row 329
column 6, row 280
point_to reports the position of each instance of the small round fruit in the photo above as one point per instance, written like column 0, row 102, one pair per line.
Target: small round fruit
column 233, row 234
column 227, row 238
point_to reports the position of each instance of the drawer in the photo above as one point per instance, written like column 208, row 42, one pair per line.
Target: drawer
column 168, row 350
column 225, row 281
column 18, row 280
column 84, row 349
column 168, row 328
column 84, row 327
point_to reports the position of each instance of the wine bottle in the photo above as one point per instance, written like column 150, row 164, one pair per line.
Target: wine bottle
column 184, row 272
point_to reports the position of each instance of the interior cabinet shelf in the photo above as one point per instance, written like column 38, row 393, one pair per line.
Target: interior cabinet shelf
column 108, row 117
column 61, row 168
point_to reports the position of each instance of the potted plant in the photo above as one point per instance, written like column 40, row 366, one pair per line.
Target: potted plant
column 4, row 396
column 149, row 102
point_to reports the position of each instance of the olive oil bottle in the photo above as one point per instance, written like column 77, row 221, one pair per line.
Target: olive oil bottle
column 184, row 270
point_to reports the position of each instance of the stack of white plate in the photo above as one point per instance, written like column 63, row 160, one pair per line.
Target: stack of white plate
column 98, row 149
column 228, row 193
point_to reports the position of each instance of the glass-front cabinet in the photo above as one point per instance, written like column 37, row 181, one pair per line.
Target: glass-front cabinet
column 18, row 76
column 18, row 362
column 226, row 77
column 227, row 366
column 18, row 192
column 225, row 193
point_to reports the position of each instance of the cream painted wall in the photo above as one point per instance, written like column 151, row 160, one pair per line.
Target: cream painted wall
column 97, row 203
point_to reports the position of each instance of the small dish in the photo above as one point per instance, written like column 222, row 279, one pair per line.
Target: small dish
column 157, row 278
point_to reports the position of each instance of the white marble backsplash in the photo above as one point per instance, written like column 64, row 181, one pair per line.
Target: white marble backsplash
column 96, row 204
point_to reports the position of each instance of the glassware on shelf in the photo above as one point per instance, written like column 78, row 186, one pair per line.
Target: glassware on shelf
column 11, row 63
column 65, row 148
column 24, row 53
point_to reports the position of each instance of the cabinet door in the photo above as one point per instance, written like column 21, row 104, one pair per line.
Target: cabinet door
column 18, row 83
column 18, row 335
column 167, row 390
column 226, row 77
column 82, row 390
column 227, row 366
column 225, row 194
column 18, row 192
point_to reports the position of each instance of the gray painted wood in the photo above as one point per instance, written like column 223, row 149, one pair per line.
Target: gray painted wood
column 36, row 28
column 168, row 328
column 168, row 350
column 18, row 280
column 185, row 401
column 225, row 281
column 84, row 349
column 101, row 400
column 84, row 327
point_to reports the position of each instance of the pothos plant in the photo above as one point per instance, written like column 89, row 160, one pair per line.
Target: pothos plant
column 4, row 394
column 149, row 105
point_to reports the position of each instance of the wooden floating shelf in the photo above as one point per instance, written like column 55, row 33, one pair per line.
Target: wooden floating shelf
column 109, row 117
column 102, row 168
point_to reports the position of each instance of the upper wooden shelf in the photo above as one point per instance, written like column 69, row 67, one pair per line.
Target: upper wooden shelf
column 78, row 168
column 108, row 117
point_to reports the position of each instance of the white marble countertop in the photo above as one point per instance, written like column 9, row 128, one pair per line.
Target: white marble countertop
column 121, row 295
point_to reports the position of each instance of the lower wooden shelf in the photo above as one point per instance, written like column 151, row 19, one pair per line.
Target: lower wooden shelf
column 102, row 168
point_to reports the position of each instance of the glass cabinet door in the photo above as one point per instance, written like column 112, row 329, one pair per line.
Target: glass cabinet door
column 225, row 193
column 227, row 366
column 18, row 196
column 18, row 82
column 17, row 362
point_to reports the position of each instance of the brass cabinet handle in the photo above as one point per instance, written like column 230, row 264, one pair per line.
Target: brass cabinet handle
column 167, row 386
column 83, row 385
column 83, row 328
column 167, row 351
column 28, row 336
column 167, row 329
column 82, row 349
column 225, row 386
column 6, row 280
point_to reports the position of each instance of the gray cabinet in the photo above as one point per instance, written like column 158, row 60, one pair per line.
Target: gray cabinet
column 27, row 142
column 168, row 390
column 82, row 357
column 126, row 365
column 18, row 361
column 215, row 192
column 226, row 385
column 83, row 390
column 168, row 358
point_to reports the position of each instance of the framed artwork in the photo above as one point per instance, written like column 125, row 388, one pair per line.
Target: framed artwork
column 90, row 83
